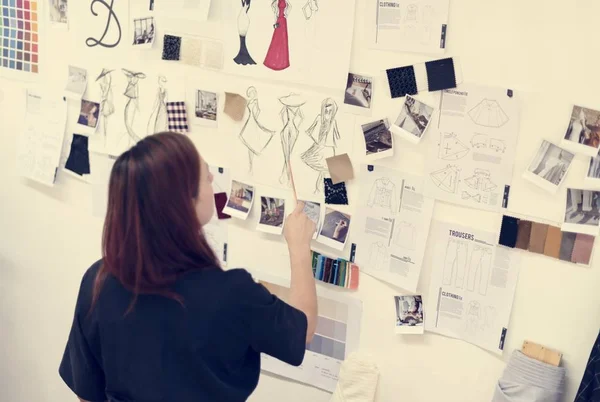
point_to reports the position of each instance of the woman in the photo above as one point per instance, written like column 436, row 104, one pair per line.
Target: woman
column 278, row 56
column 157, row 319
column 243, row 57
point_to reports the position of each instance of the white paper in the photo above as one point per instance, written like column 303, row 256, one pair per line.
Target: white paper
column 193, row 10
column 413, row 120
column 582, row 135
column 334, row 229
column 221, row 179
column 325, row 354
column 408, row 25
column 472, row 152
column 472, row 286
column 272, row 215
column 100, row 168
column 549, row 166
column 391, row 226
column 378, row 139
column 76, row 82
column 41, row 143
column 409, row 315
column 240, row 200
column 582, row 212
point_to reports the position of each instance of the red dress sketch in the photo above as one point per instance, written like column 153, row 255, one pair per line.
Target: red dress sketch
column 278, row 56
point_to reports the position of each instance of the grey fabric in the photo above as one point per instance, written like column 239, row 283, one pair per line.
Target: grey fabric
column 528, row 380
column 566, row 245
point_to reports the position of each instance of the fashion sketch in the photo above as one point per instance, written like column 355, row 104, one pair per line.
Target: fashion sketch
column 107, row 105
column 383, row 195
column 159, row 120
column 292, row 118
column 278, row 56
column 133, row 105
column 310, row 8
column 254, row 135
column 325, row 134
column 243, row 57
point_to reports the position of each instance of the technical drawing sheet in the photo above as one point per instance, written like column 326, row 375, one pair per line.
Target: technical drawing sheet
column 472, row 286
column 391, row 225
column 472, row 152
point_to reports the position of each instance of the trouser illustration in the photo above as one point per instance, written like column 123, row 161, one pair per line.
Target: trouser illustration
column 479, row 270
column 455, row 263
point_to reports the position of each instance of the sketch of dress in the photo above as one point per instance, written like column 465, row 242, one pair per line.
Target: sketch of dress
column 292, row 117
column 325, row 142
column 132, row 106
column 377, row 256
column 446, row 179
column 107, row 105
column 479, row 270
column 278, row 56
column 488, row 113
column 159, row 120
column 243, row 57
column 254, row 135
column 383, row 195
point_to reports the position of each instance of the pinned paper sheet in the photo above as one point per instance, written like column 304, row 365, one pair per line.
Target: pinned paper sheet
column 340, row 168
column 235, row 106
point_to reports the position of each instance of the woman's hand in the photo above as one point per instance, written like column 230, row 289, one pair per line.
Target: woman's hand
column 298, row 229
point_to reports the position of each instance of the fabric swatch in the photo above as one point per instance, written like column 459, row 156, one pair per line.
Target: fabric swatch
column 220, row 201
column 79, row 157
column 537, row 241
column 177, row 117
column 582, row 251
column 402, row 81
column 508, row 231
column 235, row 106
column 171, row 47
column 524, row 234
column 191, row 52
column 566, row 245
column 440, row 74
column 553, row 239
column 340, row 168
column 335, row 194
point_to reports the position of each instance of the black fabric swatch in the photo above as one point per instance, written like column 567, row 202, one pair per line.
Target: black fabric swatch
column 171, row 47
column 440, row 74
column 335, row 194
column 509, row 231
column 402, row 81
column 79, row 157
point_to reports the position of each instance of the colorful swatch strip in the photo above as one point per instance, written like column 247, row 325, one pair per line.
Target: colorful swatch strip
column 336, row 272
column 546, row 239
column 19, row 35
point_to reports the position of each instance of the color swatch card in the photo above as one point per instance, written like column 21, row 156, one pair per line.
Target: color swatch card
column 549, row 166
column 335, row 271
column 19, row 35
column 472, row 152
column 336, row 337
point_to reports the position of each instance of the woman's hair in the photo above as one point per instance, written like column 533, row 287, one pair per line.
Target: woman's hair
column 152, row 234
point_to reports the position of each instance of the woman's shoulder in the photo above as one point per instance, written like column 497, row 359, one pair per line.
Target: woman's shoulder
column 232, row 278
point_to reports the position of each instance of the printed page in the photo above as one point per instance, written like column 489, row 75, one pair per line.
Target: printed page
column 392, row 226
column 471, row 156
column 472, row 286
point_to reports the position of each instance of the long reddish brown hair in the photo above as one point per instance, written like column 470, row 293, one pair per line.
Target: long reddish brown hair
column 152, row 234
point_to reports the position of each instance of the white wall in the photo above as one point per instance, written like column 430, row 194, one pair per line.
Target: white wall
column 547, row 51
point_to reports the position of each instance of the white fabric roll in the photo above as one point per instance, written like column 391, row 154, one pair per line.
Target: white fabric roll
column 357, row 381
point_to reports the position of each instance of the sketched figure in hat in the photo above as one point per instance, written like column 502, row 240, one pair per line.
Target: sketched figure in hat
column 133, row 105
column 292, row 118
column 158, row 118
column 107, row 105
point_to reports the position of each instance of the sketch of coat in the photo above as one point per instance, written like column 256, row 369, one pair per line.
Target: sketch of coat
column 383, row 195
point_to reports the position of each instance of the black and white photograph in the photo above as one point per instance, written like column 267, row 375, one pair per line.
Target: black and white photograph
column 76, row 82
column 378, row 139
column 206, row 106
column 144, row 31
column 335, row 229
column 583, row 132
column 593, row 174
column 359, row 91
column 313, row 211
column 549, row 166
column 409, row 315
column 241, row 198
column 59, row 12
column 582, row 211
column 88, row 114
column 413, row 119
column 272, row 215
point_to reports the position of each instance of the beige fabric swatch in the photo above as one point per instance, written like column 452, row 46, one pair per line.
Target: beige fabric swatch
column 235, row 106
column 191, row 51
column 340, row 168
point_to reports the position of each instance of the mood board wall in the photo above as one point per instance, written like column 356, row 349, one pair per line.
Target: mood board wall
column 546, row 51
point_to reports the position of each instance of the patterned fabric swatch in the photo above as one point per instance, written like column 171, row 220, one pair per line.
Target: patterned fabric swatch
column 171, row 47
column 402, row 81
column 440, row 74
column 79, row 157
column 177, row 116
column 335, row 194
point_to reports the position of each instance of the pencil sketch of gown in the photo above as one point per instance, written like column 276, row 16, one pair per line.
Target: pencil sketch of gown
column 158, row 119
column 107, row 105
column 324, row 132
column 254, row 135
column 132, row 106
column 292, row 118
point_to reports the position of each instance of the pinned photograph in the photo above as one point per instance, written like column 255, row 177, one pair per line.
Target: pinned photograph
column 549, row 166
column 409, row 315
column 593, row 174
column 59, row 12
column 583, row 133
column 413, row 120
column 88, row 115
column 359, row 93
column 335, row 229
column 144, row 31
column 272, row 215
column 241, row 198
column 582, row 212
column 206, row 107
column 313, row 211
column 378, row 139
column 76, row 82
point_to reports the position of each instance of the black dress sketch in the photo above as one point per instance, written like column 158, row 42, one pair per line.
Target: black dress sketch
column 132, row 106
column 292, row 118
column 243, row 57
column 324, row 132
column 107, row 105
column 254, row 135
column 158, row 119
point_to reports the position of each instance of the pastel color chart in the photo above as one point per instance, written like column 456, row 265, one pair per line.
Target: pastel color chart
column 19, row 38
